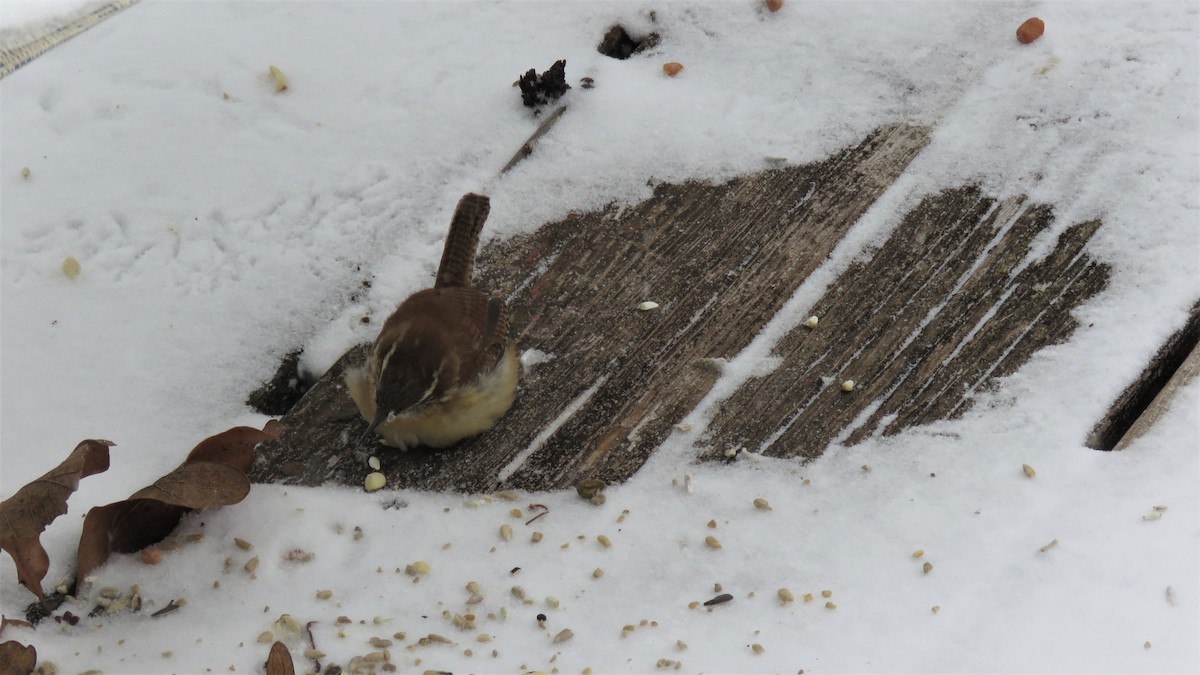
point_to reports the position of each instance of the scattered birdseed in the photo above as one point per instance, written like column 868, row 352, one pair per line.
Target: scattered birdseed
column 1147, row 645
column 1049, row 546
column 516, row 513
column 830, row 605
column 242, row 544
column 518, row 592
column 251, row 564
column 563, row 635
column 1028, row 470
column 712, row 524
column 808, row 597
column 324, row 595
column 374, row 481
column 918, row 553
column 265, row 637
column 381, row 620
column 373, row 462
column 71, row 267
column 648, row 305
column 761, row 504
column 1153, row 515
column 25, row 172
column 712, row 542
column 314, row 654
column 719, row 600
column 665, row 663
column 483, row 637
column 604, row 541
column 552, row 601
column 1160, row 507
column 826, row 594
column 281, row 81
column 757, row 648
column 1171, row 596
column 785, row 595
column 927, row 568
column 812, row 322
column 506, row 532
column 936, row 608
column 693, row 604
column 597, row 573
column 848, row 385
column 717, row 588
column 535, row 537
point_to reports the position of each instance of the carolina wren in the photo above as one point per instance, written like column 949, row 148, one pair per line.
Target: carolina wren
column 443, row 367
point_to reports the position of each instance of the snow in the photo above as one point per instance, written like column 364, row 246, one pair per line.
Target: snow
column 216, row 234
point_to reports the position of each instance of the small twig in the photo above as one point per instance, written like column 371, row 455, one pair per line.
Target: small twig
column 171, row 607
column 312, row 643
column 527, row 147
column 538, row 507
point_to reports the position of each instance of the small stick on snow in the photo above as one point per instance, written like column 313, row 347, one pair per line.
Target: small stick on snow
column 527, row 147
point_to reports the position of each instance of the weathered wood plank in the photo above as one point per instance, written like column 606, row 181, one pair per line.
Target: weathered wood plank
column 945, row 306
column 719, row 259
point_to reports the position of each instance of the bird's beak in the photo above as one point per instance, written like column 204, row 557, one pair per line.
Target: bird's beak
column 380, row 418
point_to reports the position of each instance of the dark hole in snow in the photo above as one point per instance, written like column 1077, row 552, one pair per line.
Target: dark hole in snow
column 277, row 395
column 619, row 44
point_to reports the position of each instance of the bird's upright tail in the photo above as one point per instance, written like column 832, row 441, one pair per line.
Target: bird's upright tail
column 458, row 256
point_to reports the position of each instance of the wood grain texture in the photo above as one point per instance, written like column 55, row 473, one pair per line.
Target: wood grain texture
column 719, row 259
column 949, row 303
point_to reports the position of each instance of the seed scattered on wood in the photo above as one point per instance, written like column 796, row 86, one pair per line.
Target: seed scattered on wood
column 918, row 553
column 719, row 600
column 506, row 532
column 848, row 385
column 373, row 461
column 590, row 487
column 374, row 481
column 927, row 568
column 812, row 322
column 281, row 81
column 757, row 648
column 597, row 573
column 1030, row 30
column 647, row 306
column 535, row 537
column 251, row 564
column 1028, row 470
column 712, row 542
column 762, row 504
column 785, row 595
column 604, row 541
column 830, row 605
column 71, row 267
column 672, row 68
column 1049, row 546
column 826, row 594
column 563, row 635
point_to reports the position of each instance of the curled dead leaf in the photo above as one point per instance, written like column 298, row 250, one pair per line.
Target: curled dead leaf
column 212, row 475
column 26, row 514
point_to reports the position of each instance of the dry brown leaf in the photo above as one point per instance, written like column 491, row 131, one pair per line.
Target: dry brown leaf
column 26, row 514
column 17, row 659
column 212, row 475
column 279, row 661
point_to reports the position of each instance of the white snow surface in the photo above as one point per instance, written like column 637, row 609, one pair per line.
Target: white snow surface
column 220, row 224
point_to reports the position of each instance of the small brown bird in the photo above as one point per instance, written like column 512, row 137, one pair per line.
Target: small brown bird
column 443, row 367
